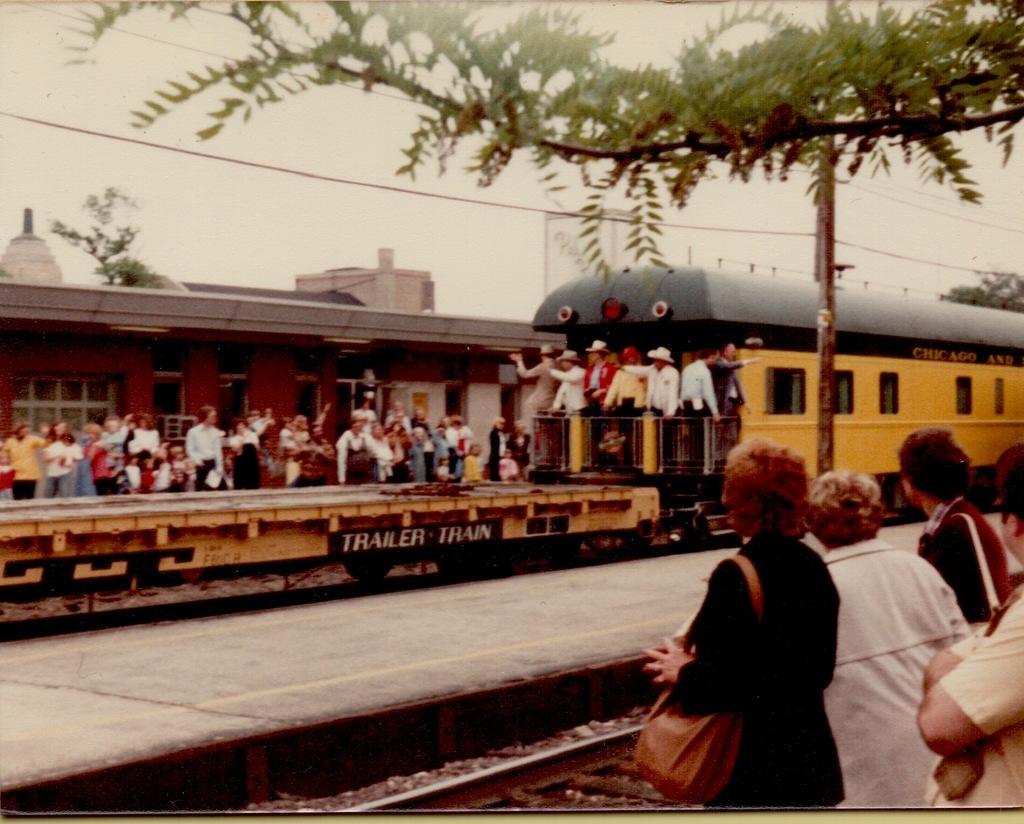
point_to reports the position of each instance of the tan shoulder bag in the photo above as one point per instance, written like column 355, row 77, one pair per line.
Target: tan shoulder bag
column 690, row 758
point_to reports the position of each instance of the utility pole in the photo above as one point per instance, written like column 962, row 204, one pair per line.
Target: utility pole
column 824, row 273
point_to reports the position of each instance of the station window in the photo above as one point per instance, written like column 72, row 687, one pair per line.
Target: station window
column 76, row 401
column 308, row 400
column 787, row 392
column 889, row 393
column 842, row 402
column 1000, row 396
column 964, row 403
column 168, row 357
column 167, row 397
column 232, row 360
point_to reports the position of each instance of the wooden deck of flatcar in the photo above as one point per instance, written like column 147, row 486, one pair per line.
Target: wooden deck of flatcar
column 102, row 540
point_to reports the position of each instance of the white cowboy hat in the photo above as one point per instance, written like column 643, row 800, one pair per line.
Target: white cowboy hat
column 547, row 349
column 369, row 395
column 568, row 354
column 598, row 346
column 661, row 353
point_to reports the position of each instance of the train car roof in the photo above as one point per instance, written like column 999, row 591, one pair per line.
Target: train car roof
column 696, row 294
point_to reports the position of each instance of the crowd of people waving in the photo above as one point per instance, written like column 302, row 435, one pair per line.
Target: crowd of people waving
column 620, row 385
column 129, row 456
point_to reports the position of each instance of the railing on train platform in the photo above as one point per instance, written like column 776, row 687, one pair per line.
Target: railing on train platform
column 696, row 445
column 550, row 443
column 691, row 446
column 612, row 443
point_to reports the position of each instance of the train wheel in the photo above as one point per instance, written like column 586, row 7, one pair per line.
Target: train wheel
column 368, row 570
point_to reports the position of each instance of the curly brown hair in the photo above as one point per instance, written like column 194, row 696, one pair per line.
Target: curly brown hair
column 765, row 488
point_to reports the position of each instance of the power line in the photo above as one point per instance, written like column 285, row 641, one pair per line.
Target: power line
column 936, row 211
column 907, row 190
column 378, row 186
column 915, row 260
column 226, row 57
column 136, row 34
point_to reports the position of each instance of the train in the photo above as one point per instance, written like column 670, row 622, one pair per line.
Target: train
column 902, row 363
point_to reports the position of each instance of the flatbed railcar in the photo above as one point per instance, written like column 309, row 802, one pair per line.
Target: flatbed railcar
column 112, row 542
column 902, row 363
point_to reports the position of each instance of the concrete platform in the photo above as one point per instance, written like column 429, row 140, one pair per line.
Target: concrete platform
column 71, row 705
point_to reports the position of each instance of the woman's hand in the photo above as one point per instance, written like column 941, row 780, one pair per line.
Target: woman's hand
column 666, row 662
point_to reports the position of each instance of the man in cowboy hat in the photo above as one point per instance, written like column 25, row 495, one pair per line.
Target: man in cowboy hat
column 570, row 392
column 598, row 376
column 662, row 382
column 543, row 394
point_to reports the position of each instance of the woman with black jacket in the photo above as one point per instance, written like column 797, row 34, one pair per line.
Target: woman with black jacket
column 774, row 672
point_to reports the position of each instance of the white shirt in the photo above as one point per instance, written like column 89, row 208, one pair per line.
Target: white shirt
column 60, row 458
column 697, row 387
column 662, row 386
column 570, row 389
column 203, row 443
column 349, row 440
column 895, row 613
column 144, row 440
column 236, row 442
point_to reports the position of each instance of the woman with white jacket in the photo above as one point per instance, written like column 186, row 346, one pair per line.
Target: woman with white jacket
column 895, row 614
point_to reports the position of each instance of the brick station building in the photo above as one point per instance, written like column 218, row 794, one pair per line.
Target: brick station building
column 78, row 353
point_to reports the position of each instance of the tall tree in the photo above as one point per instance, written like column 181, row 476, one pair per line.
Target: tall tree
column 903, row 81
column 108, row 244
column 999, row 290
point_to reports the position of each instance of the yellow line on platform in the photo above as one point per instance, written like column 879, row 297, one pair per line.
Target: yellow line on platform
column 50, row 731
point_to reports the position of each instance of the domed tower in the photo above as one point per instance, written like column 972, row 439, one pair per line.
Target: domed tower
column 28, row 258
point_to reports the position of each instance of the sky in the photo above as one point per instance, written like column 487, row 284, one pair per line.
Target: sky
column 212, row 221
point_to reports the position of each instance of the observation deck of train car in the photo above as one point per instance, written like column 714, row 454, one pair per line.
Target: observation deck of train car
column 902, row 363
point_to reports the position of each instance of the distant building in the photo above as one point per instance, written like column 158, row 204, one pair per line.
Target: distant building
column 28, row 259
column 385, row 288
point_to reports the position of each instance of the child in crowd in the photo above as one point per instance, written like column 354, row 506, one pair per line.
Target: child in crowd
column 472, row 471
column 132, row 475
column 183, row 471
column 508, row 469
column 6, row 476
column 441, row 472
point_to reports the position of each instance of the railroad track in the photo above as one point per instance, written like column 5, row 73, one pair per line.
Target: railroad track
column 594, row 772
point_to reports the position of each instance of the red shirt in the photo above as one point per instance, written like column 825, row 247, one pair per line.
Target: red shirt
column 6, row 477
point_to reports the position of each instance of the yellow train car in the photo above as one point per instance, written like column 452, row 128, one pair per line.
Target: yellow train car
column 902, row 364
column 882, row 400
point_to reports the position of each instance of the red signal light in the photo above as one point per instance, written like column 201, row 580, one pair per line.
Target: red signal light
column 567, row 314
column 613, row 309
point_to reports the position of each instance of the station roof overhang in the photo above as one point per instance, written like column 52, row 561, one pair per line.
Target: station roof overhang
column 107, row 310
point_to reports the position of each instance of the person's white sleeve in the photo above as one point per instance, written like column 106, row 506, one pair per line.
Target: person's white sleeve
column 673, row 394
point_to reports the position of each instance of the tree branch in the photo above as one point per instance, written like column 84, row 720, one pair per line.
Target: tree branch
column 932, row 125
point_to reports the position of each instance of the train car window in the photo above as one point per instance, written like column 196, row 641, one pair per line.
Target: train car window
column 842, row 403
column 787, row 392
column 963, row 396
column 889, row 393
column 1000, row 396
